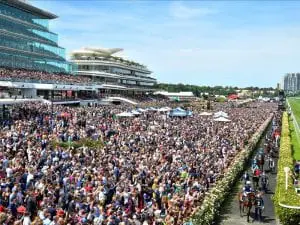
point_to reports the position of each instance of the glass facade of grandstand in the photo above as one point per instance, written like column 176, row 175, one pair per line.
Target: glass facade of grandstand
column 26, row 41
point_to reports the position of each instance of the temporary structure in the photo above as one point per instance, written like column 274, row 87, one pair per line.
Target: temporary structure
column 125, row 114
column 164, row 109
column 189, row 113
column 180, row 112
column 180, row 109
column 135, row 112
column 141, row 110
column 221, row 114
column 205, row 114
column 222, row 119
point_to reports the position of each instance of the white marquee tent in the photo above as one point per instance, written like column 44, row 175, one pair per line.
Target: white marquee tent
column 222, row 119
column 125, row 114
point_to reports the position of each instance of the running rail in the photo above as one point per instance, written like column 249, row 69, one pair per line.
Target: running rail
column 296, row 125
column 289, row 206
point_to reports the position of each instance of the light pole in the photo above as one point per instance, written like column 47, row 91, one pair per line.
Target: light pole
column 286, row 170
column 52, row 97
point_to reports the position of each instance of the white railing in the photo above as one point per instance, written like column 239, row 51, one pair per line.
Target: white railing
column 295, row 123
column 289, row 206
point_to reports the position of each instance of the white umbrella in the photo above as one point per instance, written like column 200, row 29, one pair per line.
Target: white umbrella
column 125, row 114
column 222, row 119
column 205, row 114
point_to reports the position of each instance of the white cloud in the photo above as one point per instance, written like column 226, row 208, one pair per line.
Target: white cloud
column 181, row 11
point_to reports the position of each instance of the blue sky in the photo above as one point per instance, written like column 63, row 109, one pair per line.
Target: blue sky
column 236, row 43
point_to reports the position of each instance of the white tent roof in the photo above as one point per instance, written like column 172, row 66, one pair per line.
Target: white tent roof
column 164, row 109
column 221, row 113
column 141, row 110
column 125, row 114
column 205, row 114
column 180, row 109
column 222, row 119
column 134, row 112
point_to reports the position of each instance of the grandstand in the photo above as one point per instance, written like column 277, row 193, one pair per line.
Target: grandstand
column 33, row 65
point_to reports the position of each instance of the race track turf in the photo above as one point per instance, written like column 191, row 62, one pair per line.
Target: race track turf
column 295, row 105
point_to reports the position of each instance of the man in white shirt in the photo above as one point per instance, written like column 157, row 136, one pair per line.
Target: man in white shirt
column 26, row 219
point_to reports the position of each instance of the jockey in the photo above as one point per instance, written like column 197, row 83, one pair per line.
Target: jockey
column 259, row 206
column 254, row 164
column 245, row 177
column 271, row 163
column 247, row 188
column 256, row 172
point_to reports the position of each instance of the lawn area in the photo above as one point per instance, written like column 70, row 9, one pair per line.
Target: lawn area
column 295, row 105
column 295, row 140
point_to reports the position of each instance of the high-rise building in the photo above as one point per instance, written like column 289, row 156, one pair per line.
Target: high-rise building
column 26, row 40
column 291, row 82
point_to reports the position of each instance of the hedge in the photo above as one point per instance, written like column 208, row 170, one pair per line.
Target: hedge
column 210, row 208
column 288, row 197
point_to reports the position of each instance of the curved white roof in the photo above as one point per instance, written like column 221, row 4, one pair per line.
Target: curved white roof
column 104, row 52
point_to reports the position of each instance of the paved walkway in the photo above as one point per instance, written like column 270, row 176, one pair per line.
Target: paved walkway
column 231, row 213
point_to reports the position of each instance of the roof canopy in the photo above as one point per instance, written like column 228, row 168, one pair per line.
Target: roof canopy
column 96, row 52
column 22, row 5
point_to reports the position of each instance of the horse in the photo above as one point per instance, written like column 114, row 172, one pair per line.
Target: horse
column 248, row 203
column 241, row 198
column 255, row 180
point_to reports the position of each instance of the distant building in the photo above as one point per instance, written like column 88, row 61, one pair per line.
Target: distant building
column 177, row 96
column 291, row 82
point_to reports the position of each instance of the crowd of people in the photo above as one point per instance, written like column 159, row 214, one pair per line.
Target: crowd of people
column 40, row 76
column 151, row 169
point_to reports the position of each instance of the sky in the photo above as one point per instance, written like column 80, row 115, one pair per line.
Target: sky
column 234, row 43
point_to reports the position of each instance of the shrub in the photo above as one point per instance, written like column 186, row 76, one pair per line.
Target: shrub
column 288, row 197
